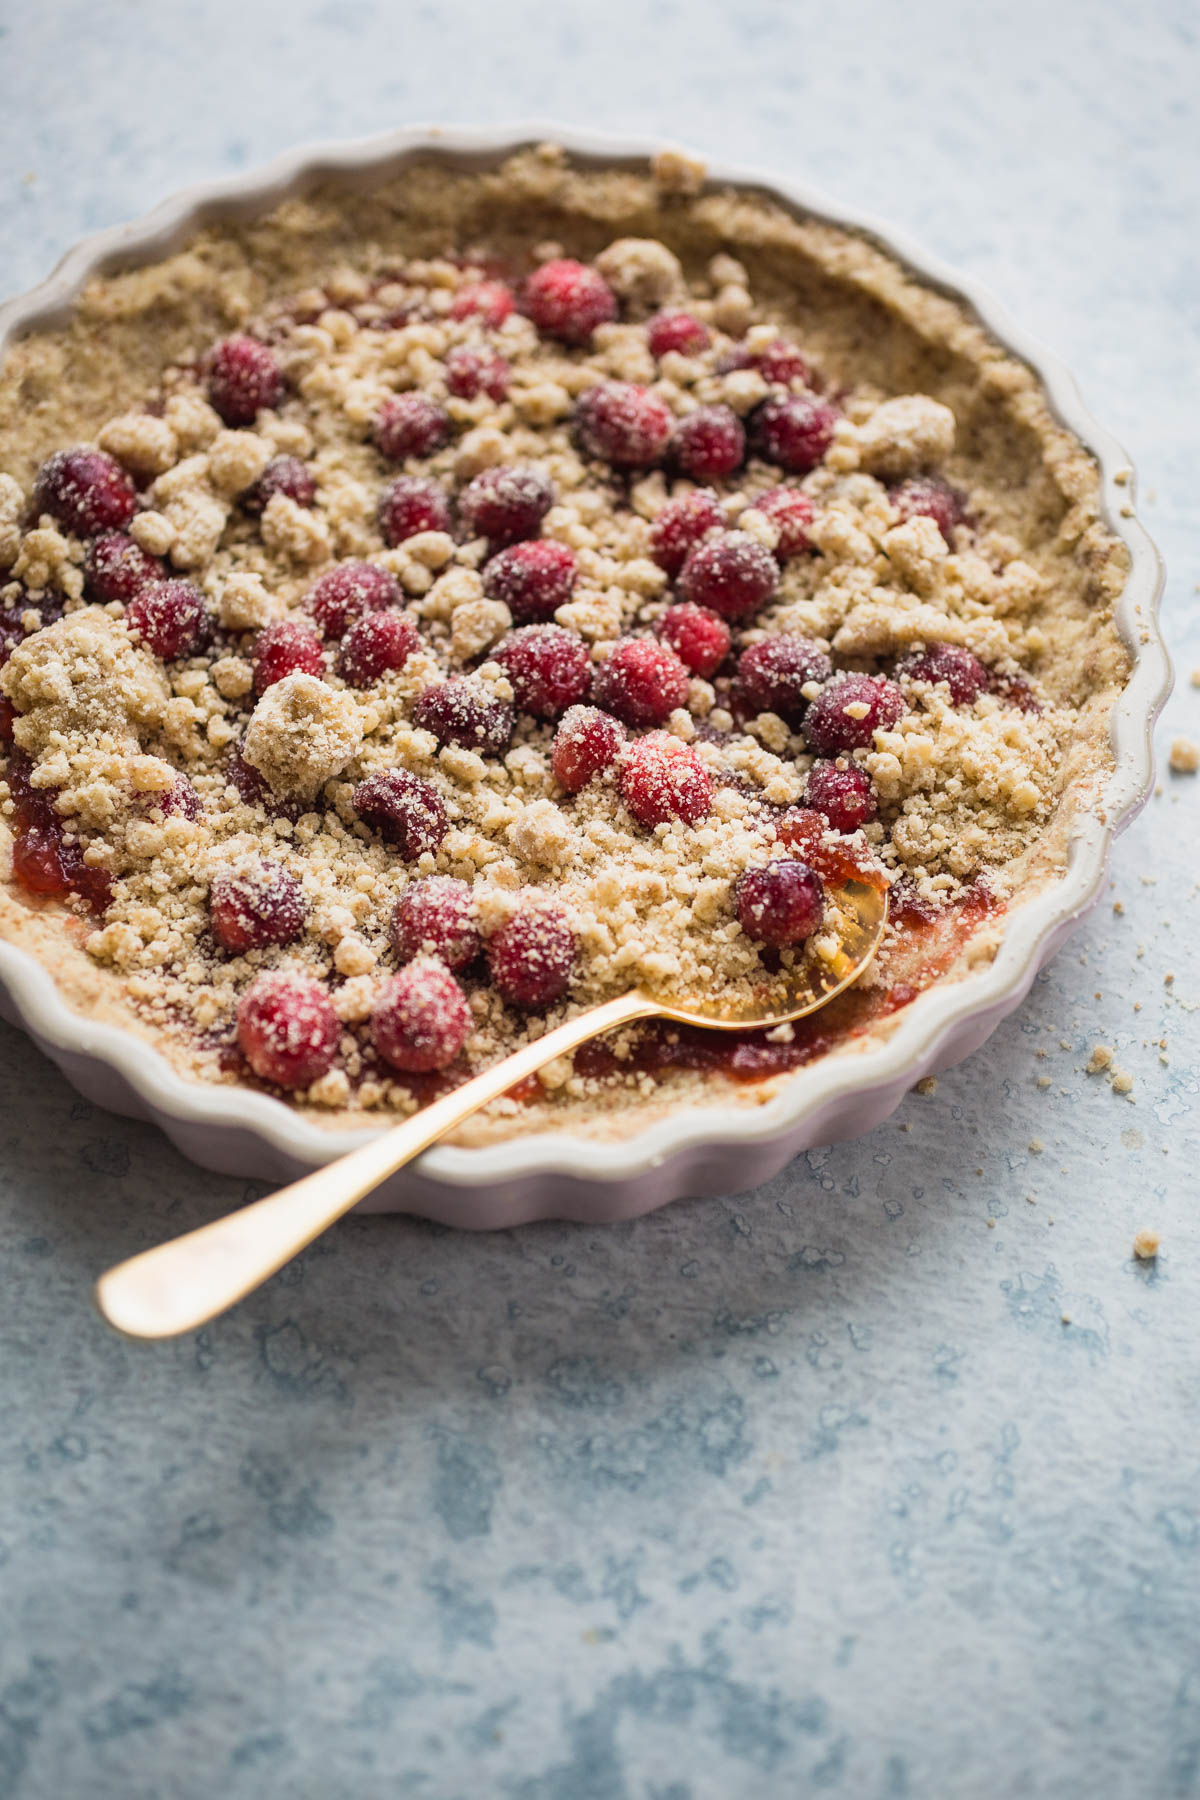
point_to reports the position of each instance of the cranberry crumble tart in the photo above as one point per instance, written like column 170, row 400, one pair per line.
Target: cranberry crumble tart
column 428, row 612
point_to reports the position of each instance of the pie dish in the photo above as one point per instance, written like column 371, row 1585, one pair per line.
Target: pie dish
column 580, row 418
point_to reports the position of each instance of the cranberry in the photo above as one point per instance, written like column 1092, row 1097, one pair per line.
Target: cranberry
column 288, row 647
column 793, row 431
column 930, row 497
column 642, row 682
column 533, row 579
column 287, row 1030
column 963, row 673
column 506, row 505
column 86, row 491
column 843, row 793
column 532, row 957
column 12, row 632
column 623, row 424
column 375, row 644
column 781, row 363
column 436, row 916
column 738, row 356
column 677, row 331
column 243, row 377
column 709, row 443
column 830, row 729
column 470, row 373
column 1018, row 691
column 732, row 574
column 586, row 743
column 781, row 903
column 170, row 618
column 772, row 674
column 117, row 569
column 343, row 594
column 461, row 712
column 408, row 505
column 8, row 719
column 682, row 524
column 403, row 809
column 549, row 669
column 421, row 1019
column 180, row 800
column 698, row 637
column 285, row 475
column 663, row 779
column 489, row 301
column 31, row 806
column 567, row 300
column 36, row 863
column 411, row 425
column 251, row 908
column 791, row 513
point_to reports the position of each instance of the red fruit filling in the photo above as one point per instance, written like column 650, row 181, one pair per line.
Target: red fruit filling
column 243, row 377
column 567, row 300
column 771, row 676
column 489, row 301
column 842, row 793
column 586, row 743
column 343, row 594
column 470, row 373
column 421, row 1018
column 709, row 443
column 682, row 524
column 287, row 1030
column 781, row 903
column 677, row 331
column 532, row 579
column 963, row 673
column 86, row 491
column 642, row 682
column 170, row 618
column 408, row 505
column 793, row 431
column 376, row 644
column 549, row 669
column 251, row 908
column 791, row 513
column 698, row 637
column 506, row 505
column 403, row 809
column 436, row 917
column 285, row 475
column 288, row 647
column 623, row 424
column 116, row 569
column 663, row 779
column 411, row 425
column 733, row 575
column 532, row 957
column 847, row 714
column 461, row 712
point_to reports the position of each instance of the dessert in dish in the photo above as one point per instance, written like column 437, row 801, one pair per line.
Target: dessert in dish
column 431, row 610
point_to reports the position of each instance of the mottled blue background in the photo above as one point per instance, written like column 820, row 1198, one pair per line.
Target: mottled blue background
column 804, row 1490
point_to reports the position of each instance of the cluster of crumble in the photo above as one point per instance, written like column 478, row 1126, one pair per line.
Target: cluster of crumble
column 457, row 648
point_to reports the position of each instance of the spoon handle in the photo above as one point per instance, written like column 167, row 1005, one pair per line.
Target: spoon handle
column 180, row 1285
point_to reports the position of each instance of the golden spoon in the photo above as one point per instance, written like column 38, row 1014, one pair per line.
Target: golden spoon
column 180, row 1285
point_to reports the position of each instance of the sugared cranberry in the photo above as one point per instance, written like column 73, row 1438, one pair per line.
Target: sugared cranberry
column 532, row 957
column 243, row 376
column 780, row 363
column 698, row 637
column 285, row 475
column 623, row 424
column 288, row 647
column 421, row 1019
column 86, row 491
column 738, row 356
column 533, row 579
column 375, row 644
column 642, row 682
column 847, row 714
column 411, row 504
column 180, row 801
column 462, row 712
column 117, row 569
column 663, row 779
column 677, row 331
column 843, row 794
column 781, row 903
column 682, row 524
column 772, row 674
column 549, row 669
column 793, row 431
column 505, row 505
column 567, row 300
column 170, row 618
column 287, row 1030
column 403, row 809
column 791, row 513
column 929, row 497
column 253, row 907
column 343, row 594
column 436, row 916
column 586, row 743
column 1018, row 691
column 489, row 301
column 411, row 425
column 470, row 373
column 709, row 443
column 963, row 673
column 732, row 575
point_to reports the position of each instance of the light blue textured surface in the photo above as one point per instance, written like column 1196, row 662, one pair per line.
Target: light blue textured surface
column 804, row 1490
